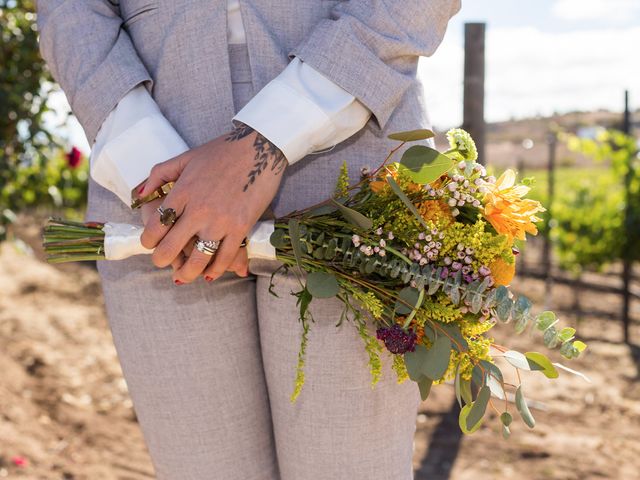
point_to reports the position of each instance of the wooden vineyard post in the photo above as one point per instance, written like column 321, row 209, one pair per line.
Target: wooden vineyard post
column 552, row 140
column 473, row 109
column 627, row 264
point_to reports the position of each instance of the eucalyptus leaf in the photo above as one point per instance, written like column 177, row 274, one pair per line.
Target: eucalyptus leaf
column 424, row 164
column 353, row 216
column 495, row 386
column 414, row 362
column 478, row 376
column 492, row 369
column 277, row 238
column 407, row 295
column 550, row 337
column 403, row 196
column 465, row 391
column 412, row 135
column 538, row 361
column 322, row 284
column 506, row 419
column 437, row 359
column 545, row 319
column 456, row 385
column 566, row 334
column 425, row 388
column 478, row 408
column 296, row 244
column 517, row 359
column 462, row 420
column 453, row 331
column 523, row 408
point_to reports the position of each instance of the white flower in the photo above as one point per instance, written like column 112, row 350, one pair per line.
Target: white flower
column 379, row 231
column 463, row 143
column 382, row 253
column 383, row 243
column 356, row 240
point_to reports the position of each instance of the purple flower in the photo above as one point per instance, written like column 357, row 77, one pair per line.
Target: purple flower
column 396, row 339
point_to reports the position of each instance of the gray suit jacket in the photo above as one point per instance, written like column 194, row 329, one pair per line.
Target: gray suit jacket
column 99, row 49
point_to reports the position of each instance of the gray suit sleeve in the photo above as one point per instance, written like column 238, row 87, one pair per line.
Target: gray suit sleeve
column 369, row 47
column 90, row 56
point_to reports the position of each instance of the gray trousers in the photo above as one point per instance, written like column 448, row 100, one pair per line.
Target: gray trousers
column 210, row 369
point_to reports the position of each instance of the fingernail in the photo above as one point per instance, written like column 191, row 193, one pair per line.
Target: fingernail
column 208, row 279
column 141, row 189
column 178, row 282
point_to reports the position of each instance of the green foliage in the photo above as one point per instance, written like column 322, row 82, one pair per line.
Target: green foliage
column 589, row 228
column 33, row 169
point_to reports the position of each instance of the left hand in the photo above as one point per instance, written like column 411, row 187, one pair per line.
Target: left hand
column 221, row 190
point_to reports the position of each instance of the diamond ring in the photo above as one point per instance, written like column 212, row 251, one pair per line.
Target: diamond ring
column 208, row 247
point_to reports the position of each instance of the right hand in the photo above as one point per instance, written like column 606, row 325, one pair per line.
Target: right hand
column 240, row 264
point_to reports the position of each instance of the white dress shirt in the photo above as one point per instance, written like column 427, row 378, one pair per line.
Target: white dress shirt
column 313, row 114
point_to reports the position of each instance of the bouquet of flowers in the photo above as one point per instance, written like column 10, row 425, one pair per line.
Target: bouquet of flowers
column 422, row 249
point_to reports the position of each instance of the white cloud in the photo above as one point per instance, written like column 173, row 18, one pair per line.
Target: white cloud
column 530, row 72
column 601, row 10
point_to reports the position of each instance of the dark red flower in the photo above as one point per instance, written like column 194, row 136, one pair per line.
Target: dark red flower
column 74, row 158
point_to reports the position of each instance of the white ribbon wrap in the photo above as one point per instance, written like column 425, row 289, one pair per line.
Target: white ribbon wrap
column 122, row 241
column 258, row 244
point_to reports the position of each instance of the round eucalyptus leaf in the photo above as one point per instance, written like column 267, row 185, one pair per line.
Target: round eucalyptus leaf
column 506, row 419
column 322, row 285
column 545, row 320
column 424, row 164
column 407, row 296
column 539, row 361
column 437, row 359
column 414, row 361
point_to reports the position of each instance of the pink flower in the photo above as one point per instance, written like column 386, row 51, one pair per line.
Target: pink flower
column 74, row 158
column 19, row 461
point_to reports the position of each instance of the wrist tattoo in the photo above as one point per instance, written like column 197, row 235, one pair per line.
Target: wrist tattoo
column 267, row 154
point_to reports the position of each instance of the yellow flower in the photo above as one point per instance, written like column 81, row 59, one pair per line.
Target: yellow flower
column 507, row 211
column 502, row 272
column 434, row 210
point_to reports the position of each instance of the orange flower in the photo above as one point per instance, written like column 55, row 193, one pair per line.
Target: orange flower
column 434, row 210
column 502, row 272
column 507, row 211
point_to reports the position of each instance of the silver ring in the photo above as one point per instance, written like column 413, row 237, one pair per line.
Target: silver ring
column 208, row 247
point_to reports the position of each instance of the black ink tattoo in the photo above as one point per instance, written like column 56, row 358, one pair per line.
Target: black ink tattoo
column 266, row 152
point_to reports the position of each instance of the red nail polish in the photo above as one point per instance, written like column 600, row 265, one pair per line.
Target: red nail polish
column 178, row 282
column 141, row 189
column 208, row 279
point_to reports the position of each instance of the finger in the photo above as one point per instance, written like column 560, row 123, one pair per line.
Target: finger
column 154, row 231
column 224, row 256
column 240, row 264
column 172, row 243
column 193, row 267
column 162, row 173
column 178, row 261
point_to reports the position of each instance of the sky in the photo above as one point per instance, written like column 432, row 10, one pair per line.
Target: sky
column 542, row 56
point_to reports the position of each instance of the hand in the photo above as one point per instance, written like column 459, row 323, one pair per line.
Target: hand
column 221, row 190
column 240, row 264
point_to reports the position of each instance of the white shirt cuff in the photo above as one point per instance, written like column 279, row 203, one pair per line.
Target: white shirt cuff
column 302, row 111
column 134, row 137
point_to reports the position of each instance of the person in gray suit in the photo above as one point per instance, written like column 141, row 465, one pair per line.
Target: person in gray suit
column 241, row 127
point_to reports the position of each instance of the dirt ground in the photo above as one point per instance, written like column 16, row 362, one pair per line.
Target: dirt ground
column 65, row 412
